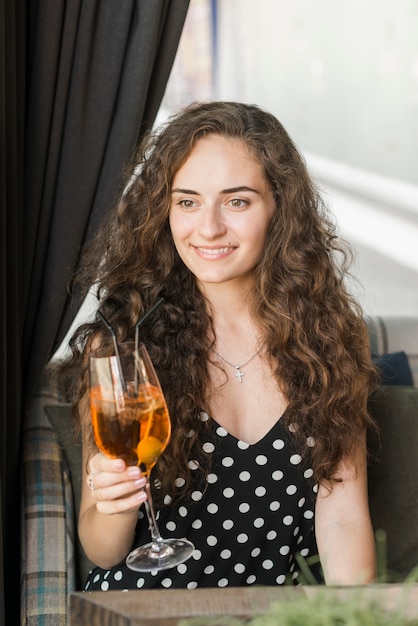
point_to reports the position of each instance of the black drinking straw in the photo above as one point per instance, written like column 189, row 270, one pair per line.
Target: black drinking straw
column 115, row 345
column 138, row 324
column 142, row 320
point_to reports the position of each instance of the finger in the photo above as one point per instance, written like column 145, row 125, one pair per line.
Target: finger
column 122, row 505
column 106, row 487
column 100, row 463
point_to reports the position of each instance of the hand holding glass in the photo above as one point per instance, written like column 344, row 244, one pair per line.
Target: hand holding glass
column 131, row 421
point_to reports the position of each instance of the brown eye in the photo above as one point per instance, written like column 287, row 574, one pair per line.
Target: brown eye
column 238, row 203
column 187, row 204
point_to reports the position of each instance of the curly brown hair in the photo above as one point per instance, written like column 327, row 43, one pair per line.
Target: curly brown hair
column 315, row 334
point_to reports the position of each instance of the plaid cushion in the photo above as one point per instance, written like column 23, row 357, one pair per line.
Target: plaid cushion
column 48, row 555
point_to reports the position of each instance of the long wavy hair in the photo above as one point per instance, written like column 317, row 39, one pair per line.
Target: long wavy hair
column 315, row 334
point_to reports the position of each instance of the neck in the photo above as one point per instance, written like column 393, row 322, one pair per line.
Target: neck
column 227, row 303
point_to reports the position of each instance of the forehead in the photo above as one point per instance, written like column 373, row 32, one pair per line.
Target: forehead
column 220, row 156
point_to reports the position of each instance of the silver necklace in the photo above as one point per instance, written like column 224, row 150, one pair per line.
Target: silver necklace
column 238, row 368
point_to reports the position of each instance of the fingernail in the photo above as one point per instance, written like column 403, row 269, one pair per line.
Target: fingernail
column 133, row 472
column 140, row 482
column 119, row 464
column 141, row 496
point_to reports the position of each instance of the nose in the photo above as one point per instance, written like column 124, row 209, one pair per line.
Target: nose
column 212, row 223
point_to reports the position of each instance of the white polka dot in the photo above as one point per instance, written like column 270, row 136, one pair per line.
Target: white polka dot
column 308, row 473
column 284, row 550
column 308, row 514
column 171, row 525
column 278, row 444
column 244, row 507
column 196, row 555
column 299, row 540
column 212, row 508
column 272, row 534
column 228, row 492
column 209, row 569
column 203, row 416
column 227, row 461
column 280, row 580
column 179, row 482
column 251, row 579
column 208, row 447
column 225, row 554
column 293, row 428
column 212, row 478
column 166, row 582
column 140, row 582
column 104, row 586
column 291, row 490
column 197, row 495
column 310, row 442
column 295, row 459
column 295, row 532
column 106, row 575
column 287, row 520
column 211, row 540
column 295, row 575
column 304, row 551
column 243, row 445
column 244, row 476
column 221, row 431
column 154, row 572
column 301, row 502
column 167, row 500
column 222, row 582
column 259, row 522
column 118, row 575
column 267, row 564
column 228, row 524
column 274, row 506
column 96, row 578
column 197, row 523
column 315, row 488
column 261, row 459
column 239, row 568
column 193, row 465
column 182, row 568
column 260, row 491
column 255, row 552
column 190, row 434
column 183, row 511
column 192, row 585
column 277, row 475
column 242, row 538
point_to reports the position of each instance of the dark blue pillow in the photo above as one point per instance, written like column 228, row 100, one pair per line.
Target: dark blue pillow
column 394, row 369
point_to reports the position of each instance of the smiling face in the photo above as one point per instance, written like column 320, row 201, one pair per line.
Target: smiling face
column 221, row 207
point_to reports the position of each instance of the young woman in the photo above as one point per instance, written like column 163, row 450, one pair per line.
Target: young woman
column 262, row 354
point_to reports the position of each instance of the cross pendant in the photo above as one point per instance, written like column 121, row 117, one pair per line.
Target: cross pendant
column 239, row 374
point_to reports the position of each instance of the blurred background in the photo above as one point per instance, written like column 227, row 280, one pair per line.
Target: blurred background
column 343, row 79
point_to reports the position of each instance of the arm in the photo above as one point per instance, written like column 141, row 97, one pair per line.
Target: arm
column 344, row 531
column 108, row 515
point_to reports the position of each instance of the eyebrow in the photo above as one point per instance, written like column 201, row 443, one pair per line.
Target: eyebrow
column 231, row 190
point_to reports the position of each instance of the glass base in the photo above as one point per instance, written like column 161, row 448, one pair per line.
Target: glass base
column 171, row 552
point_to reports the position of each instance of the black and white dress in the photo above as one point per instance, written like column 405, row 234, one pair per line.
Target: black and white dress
column 256, row 513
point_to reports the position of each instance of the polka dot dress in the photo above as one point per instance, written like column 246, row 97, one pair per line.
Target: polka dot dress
column 256, row 513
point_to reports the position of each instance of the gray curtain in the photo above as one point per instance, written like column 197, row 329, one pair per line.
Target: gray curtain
column 81, row 81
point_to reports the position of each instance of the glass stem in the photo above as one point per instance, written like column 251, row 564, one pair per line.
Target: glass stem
column 157, row 541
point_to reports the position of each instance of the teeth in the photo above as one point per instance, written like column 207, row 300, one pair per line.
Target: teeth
column 215, row 252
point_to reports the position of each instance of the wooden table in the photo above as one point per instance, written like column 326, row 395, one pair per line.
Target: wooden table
column 168, row 607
